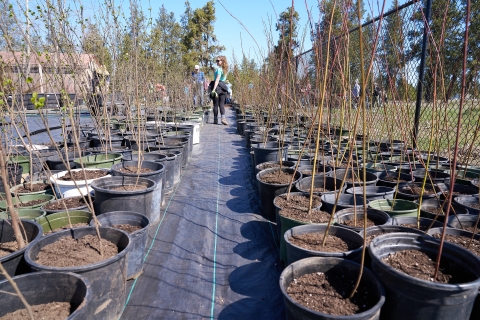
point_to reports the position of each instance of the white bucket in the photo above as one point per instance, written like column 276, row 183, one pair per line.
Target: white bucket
column 68, row 189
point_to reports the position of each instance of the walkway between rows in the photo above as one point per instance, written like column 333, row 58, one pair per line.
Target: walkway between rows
column 212, row 256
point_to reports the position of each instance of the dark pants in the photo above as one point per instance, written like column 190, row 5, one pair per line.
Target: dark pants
column 219, row 102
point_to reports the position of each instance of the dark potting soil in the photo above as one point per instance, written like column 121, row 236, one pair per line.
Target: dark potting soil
column 126, row 227
column 8, row 247
column 470, row 229
column 81, row 175
column 393, row 179
column 320, row 190
column 328, row 293
column 315, row 216
column 415, row 226
column 277, row 177
column 74, row 225
column 435, row 210
column 341, row 165
column 264, row 166
column 47, row 311
column 29, row 203
column 463, row 241
column 370, row 238
column 135, row 170
column 474, row 205
column 69, row 252
column 69, row 203
column 422, row 266
column 297, row 202
column 418, row 190
column 36, row 187
column 313, row 241
column 129, row 187
column 360, row 222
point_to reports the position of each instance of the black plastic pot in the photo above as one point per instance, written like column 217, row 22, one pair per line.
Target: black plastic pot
column 270, row 151
column 379, row 217
column 373, row 192
column 296, row 311
column 241, row 124
column 467, row 202
column 107, row 278
column 56, row 162
column 344, row 201
column 403, row 191
column 412, row 298
column 306, row 170
column 287, row 164
column 295, row 253
column 463, row 220
column 461, row 188
column 371, row 178
column 138, row 238
column 45, row 287
column 424, row 222
column 435, row 203
column 321, row 181
column 371, row 231
column 14, row 176
column 403, row 176
column 141, row 201
column 268, row 191
column 157, row 175
column 187, row 141
column 436, row 176
column 14, row 262
column 182, row 156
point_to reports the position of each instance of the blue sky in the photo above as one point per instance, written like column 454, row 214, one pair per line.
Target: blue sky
column 257, row 16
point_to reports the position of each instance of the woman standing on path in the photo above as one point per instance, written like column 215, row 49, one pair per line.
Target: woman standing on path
column 219, row 89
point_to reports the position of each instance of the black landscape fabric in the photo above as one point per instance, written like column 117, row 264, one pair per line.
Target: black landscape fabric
column 212, row 255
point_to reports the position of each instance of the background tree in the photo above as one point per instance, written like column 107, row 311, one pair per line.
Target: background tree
column 287, row 25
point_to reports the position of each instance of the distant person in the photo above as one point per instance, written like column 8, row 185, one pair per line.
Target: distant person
column 219, row 90
column 198, row 87
column 376, row 96
column 355, row 94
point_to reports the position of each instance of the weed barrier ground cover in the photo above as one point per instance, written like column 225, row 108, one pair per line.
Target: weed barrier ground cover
column 212, row 255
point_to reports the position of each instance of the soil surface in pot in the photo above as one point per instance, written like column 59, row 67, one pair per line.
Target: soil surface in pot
column 74, row 202
column 435, row 210
column 127, row 228
column 328, row 293
column 474, row 205
column 470, row 229
column 75, row 225
column 415, row 226
column 297, row 202
column 29, row 203
column 81, row 175
column 315, row 216
column 418, row 190
column 392, row 179
column 370, row 238
column 269, row 166
column 129, row 187
column 277, row 177
column 47, row 311
column 371, row 221
column 69, row 252
column 8, row 247
column 463, row 241
column 313, row 241
column 135, row 170
column 36, row 187
column 342, row 165
column 422, row 266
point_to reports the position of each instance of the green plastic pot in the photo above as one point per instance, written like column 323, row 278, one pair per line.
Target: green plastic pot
column 395, row 207
column 105, row 161
column 46, row 191
column 60, row 219
column 26, row 214
column 45, row 197
column 23, row 161
column 286, row 224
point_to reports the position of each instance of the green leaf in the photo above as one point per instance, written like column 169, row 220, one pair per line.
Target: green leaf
column 29, row 80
